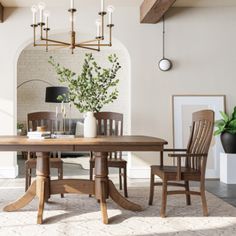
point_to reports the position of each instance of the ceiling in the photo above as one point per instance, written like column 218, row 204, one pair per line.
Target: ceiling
column 65, row 3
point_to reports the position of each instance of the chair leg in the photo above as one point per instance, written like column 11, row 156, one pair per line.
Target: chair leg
column 120, row 178
column 29, row 176
column 60, row 176
column 188, row 197
column 151, row 189
column 90, row 173
column 164, row 198
column 125, row 182
column 204, row 202
column 26, row 178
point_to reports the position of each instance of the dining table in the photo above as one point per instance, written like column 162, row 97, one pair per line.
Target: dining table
column 101, row 187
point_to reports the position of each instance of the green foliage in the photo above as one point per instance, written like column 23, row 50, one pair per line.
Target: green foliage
column 20, row 126
column 94, row 87
column 227, row 123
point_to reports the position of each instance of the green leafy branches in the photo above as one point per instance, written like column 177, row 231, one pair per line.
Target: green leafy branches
column 94, row 87
column 227, row 123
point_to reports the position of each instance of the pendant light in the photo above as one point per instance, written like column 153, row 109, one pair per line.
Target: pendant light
column 164, row 64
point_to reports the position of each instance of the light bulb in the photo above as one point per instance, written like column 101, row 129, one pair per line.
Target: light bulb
column 110, row 9
column 34, row 8
column 47, row 13
column 41, row 6
column 165, row 64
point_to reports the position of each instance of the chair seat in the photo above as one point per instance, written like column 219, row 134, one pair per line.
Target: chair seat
column 112, row 162
column 170, row 172
column 54, row 163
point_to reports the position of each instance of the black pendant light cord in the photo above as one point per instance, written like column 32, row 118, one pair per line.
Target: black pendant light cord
column 164, row 31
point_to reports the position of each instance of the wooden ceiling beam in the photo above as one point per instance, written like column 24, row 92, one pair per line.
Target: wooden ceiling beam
column 1, row 13
column 152, row 11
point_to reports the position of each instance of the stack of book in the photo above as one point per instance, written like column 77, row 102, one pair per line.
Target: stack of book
column 39, row 135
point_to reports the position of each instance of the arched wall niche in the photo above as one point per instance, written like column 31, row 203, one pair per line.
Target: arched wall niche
column 32, row 63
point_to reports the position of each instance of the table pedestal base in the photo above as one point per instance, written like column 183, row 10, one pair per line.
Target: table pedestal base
column 101, row 187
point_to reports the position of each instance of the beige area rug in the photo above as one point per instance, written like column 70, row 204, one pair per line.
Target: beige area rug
column 80, row 215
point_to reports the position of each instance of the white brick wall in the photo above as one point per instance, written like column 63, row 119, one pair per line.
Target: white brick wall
column 33, row 64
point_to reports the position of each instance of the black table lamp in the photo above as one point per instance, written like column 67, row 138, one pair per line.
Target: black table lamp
column 53, row 92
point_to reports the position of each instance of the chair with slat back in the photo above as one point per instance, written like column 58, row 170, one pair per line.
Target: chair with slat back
column 51, row 123
column 111, row 124
column 195, row 163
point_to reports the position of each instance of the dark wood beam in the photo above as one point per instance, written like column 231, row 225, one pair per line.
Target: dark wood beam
column 151, row 11
column 1, row 13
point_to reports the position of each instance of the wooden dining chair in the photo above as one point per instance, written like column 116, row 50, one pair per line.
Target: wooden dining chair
column 108, row 124
column 51, row 122
column 195, row 159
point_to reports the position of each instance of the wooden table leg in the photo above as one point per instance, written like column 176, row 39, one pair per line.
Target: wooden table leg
column 121, row 200
column 24, row 200
column 101, row 182
column 42, row 182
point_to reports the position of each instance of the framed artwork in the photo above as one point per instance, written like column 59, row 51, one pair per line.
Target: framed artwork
column 183, row 106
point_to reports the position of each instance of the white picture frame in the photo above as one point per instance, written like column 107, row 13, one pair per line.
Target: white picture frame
column 182, row 108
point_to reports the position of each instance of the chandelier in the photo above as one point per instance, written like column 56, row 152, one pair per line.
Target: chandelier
column 93, row 44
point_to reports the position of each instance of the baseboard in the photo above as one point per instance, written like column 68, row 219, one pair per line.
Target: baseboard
column 212, row 174
column 138, row 172
column 9, row 172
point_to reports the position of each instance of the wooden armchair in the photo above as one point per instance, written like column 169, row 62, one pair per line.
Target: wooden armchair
column 108, row 124
column 195, row 163
column 49, row 120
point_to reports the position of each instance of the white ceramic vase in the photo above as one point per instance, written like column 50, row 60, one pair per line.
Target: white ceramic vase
column 90, row 125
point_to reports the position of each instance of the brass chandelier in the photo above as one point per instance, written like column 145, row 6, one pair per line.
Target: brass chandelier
column 93, row 44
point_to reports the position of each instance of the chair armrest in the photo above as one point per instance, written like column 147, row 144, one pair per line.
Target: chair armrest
column 174, row 150
column 179, row 156
column 169, row 150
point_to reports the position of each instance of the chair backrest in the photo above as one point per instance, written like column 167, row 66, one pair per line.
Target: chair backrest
column 109, row 124
column 200, row 139
column 47, row 119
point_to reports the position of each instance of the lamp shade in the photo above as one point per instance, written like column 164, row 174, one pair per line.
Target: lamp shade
column 52, row 94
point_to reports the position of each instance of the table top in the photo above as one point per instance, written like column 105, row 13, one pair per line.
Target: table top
column 100, row 143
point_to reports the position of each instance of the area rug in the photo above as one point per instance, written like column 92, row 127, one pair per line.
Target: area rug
column 80, row 215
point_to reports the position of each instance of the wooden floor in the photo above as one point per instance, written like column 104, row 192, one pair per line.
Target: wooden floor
column 221, row 190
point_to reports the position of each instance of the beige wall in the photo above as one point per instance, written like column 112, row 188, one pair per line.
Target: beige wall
column 200, row 42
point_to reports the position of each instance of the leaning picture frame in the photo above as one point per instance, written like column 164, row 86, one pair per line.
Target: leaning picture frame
column 182, row 108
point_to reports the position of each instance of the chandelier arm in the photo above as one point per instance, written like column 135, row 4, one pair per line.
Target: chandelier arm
column 89, row 41
column 102, row 26
column 94, row 45
column 51, row 45
column 94, row 49
column 47, row 40
column 110, row 33
column 55, row 41
column 34, row 35
column 99, row 45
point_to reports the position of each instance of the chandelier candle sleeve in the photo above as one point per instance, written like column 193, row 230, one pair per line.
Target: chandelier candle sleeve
column 41, row 7
column 72, row 5
column 34, row 10
column 98, row 23
column 102, row 5
column 110, row 10
column 46, row 15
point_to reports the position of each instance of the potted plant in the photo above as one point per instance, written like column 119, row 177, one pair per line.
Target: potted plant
column 227, row 131
column 20, row 128
column 90, row 90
